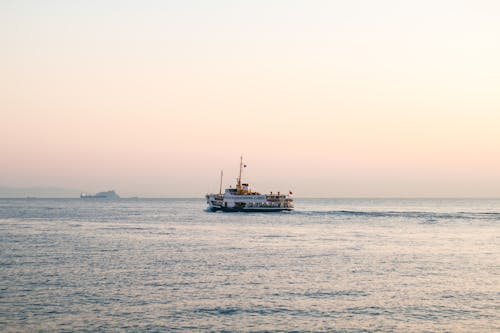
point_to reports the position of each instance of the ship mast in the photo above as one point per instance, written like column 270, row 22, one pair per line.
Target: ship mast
column 220, row 187
column 239, row 178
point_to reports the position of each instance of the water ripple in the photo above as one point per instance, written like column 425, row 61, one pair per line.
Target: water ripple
column 336, row 265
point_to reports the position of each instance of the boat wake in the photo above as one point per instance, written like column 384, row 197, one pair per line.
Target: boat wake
column 404, row 214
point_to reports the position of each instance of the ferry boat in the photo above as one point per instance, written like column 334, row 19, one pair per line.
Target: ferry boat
column 242, row 199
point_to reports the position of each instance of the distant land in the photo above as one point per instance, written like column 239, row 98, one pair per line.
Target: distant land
column 38, row 192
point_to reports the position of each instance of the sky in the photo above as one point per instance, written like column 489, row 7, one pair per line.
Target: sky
column 324, row 98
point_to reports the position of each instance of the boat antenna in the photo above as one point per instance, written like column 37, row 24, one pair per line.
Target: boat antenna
column 220, row 187
column 241, row 167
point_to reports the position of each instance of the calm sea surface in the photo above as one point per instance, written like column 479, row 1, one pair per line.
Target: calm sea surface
column 346, row 265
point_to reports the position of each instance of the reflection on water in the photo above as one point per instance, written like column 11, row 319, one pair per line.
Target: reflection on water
column 155, row 265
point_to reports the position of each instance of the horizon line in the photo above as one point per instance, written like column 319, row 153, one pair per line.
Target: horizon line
column 302, row 197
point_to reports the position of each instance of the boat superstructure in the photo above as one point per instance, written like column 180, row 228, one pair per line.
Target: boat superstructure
column 243, row 199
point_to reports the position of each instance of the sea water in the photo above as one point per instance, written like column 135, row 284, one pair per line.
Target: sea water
column 346, row 265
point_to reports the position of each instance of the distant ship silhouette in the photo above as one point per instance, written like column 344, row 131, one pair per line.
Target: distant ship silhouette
column 101, row 195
